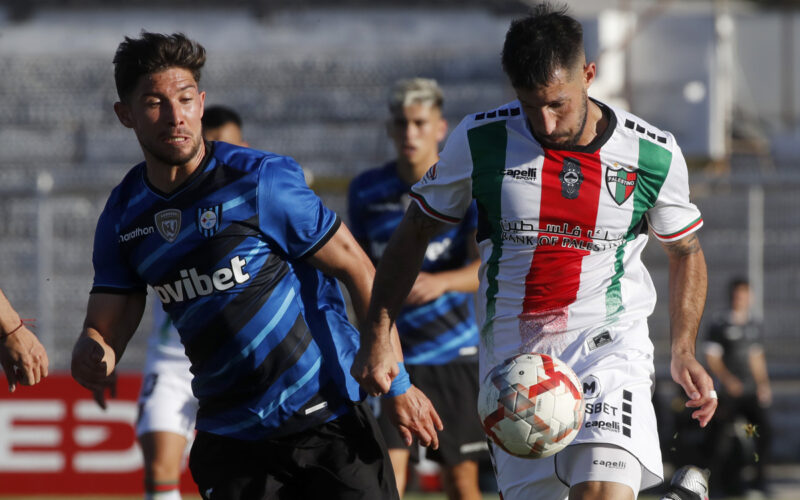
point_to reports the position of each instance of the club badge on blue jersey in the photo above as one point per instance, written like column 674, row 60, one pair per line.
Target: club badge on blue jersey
column 208, row 220
column 168, row 223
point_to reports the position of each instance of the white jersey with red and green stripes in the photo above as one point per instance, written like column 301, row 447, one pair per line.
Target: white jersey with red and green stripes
column 561, row 231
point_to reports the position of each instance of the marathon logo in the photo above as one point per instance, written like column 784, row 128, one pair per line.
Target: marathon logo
column 136, row 233
column 193, row 285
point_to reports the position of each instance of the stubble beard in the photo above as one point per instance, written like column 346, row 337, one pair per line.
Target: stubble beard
column 585, row 112
column 175, row 159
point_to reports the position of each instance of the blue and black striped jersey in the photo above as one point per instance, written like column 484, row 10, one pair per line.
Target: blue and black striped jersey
column 444, row 329
column 266, row 333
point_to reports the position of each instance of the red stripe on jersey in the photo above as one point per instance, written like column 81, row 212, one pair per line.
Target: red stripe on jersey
column 554, row 276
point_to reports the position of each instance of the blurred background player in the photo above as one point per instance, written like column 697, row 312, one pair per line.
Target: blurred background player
column 437, row 326
column 23, row 357
column 167, row 407
column 735, row 355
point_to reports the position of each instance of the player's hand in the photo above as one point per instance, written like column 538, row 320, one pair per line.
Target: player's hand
column 23, row 358
column 93, row 363
column 697, row 384
column 413, row 415
column 427, row 287
column 374, row 367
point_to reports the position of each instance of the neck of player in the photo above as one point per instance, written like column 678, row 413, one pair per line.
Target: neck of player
column 166, row 178
column 596, row 123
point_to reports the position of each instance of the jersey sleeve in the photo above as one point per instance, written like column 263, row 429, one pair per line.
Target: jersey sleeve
column 112, row 272
column 445, row 191
column 289, row 212
column 673, row 216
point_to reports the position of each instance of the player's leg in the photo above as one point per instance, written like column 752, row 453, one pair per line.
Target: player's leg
column 453, row 391
column 163, row 457
column 399, row 458
column 461, row 481
column 599, row 472
column 164, row 427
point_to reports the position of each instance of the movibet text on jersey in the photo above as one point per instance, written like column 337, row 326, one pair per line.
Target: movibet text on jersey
column 192, row 285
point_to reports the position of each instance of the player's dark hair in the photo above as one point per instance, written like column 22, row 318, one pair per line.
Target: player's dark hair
column 540, row 43
column 154, row 52
column 217, row 116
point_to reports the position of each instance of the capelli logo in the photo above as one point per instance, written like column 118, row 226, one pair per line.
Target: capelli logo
column 617, row 464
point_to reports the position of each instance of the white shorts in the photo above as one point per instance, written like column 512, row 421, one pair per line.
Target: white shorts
column 615, row 365
column 166, row 402
column 574, row 465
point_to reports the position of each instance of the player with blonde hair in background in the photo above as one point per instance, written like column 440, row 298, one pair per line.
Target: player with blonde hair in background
column 437, row 323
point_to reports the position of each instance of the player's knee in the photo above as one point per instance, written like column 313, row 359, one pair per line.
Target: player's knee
column 161, row 469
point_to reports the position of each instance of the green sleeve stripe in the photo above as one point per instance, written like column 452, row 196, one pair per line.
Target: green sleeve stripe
column 487, row 146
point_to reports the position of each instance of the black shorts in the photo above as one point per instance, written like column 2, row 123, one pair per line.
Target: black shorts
column 345, row 458
column 453, row 390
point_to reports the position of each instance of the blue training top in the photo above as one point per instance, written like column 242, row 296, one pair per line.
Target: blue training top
column 444, row 329
column 266, row 333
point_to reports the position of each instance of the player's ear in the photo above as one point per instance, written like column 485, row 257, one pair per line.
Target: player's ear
column 123, row 112
column 589, row 72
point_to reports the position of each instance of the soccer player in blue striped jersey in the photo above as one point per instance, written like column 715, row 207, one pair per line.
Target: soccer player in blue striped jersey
column 244, row 258
column 437, row 326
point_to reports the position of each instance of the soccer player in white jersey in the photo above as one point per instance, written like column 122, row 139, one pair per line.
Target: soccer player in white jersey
column 567, row 190
column 167, row 407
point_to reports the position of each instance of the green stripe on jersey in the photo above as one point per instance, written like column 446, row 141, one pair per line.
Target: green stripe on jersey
column 487, row 144
column 653, row 168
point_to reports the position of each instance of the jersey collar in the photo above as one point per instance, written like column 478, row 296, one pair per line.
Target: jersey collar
column 197, row 172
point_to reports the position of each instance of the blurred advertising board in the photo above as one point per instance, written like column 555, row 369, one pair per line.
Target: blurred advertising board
column 54, row 439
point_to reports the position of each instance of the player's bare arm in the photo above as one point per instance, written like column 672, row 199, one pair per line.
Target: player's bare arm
column 688, row 284
column 430, row 286
column 343, row 258
column 111, row 320
column 395, row 276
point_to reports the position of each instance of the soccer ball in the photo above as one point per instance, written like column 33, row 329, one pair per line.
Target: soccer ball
column 531, row 405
